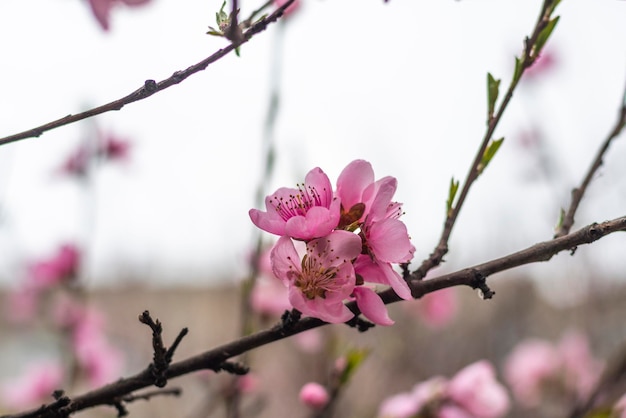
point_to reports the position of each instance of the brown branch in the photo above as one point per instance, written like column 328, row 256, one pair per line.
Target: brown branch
column 151, row 87
column 528, row 57
column 213, row 359
column 579, row 192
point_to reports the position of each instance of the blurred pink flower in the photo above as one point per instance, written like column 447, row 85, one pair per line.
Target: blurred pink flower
column 436, row 309
column 311, row 341
column 34, row 387
column 473, row 393
column 269, row 297
column 99, row 360
column 314, row 395
column 62, row 266
column 248, row 383
column 305, row 213
column 581, row 370
column 545, row 63
column 22, row 304
column 108, row 147
column 324, row 277
column 531, row 363
column 476, row 390
column 535, row 364
column 101, row 9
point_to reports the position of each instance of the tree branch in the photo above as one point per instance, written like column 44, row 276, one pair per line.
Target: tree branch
column 578, row 193
column 528, row 58
column 151, row 87
column 215, row 358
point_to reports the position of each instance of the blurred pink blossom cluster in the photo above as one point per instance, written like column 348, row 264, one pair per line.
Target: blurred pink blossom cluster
column 108, row 147
column 351, row 235
column 314, row 395
column 536, row 368
column 101, row 9
column 41, row 276
column 34, row 386
column 473, row 392
column 98, row 361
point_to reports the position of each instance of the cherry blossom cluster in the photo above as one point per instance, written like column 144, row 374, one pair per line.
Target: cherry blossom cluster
column 473, row 392
column 108, row 147
column 351, row 236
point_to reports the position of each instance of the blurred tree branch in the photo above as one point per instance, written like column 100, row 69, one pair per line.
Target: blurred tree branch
column 151, row 87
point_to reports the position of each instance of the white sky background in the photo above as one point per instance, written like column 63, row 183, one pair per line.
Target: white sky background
column 399, row 84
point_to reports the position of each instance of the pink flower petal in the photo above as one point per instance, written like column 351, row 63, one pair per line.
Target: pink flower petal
column 372, row 306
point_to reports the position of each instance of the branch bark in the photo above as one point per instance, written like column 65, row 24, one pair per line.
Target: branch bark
column 213, row 358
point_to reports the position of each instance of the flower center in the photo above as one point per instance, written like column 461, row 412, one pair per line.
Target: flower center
column 297, row 204
column 316, row 279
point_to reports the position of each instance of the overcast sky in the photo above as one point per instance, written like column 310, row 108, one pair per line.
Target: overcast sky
column 400, row 84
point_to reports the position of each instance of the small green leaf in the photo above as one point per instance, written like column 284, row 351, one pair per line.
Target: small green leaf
column 518, row 69
column 489, row 153
column 454, row 187
column 493, row 88
column 237, row 52
column 354, row 358
column 221, row 16
column 544, row 35
column 214, row 32
column 559, row 222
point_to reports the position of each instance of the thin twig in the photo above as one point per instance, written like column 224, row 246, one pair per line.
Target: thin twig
column 473, row 173
column 579, row 192
column 211, row 359
column 151, row 87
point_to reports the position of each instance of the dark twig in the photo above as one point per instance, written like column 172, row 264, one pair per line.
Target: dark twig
column 527, row 59
column 233, row 367
column 211, row 359
column 151, row 87
column 578, row 192
column 146, row 396
column 162, row 356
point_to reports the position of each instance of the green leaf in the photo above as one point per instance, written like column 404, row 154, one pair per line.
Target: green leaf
column 559, row 222
column 493, row 88
column 354, row 358
column 518, row 69
column 221, row 16
column 489, row 153
column 544, row 35
column 454, row 187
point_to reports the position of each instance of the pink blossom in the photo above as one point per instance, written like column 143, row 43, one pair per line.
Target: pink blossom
column 367, row 203
column 476, row 389
column 531, row 363
column 248, row 383
column 34, row 386
column 408, row 405
column 436, row 309
column 403, row 405
column 314, row 395
column 453, row 411
column 324, row 277
column 109, row 147
column 581, row 370
column 60, row 267
column 535, row 364
column 101, row 9
column 269, row 297
column 542, row 65
column 305, row 213
column 100, row 361
column 371, row 305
